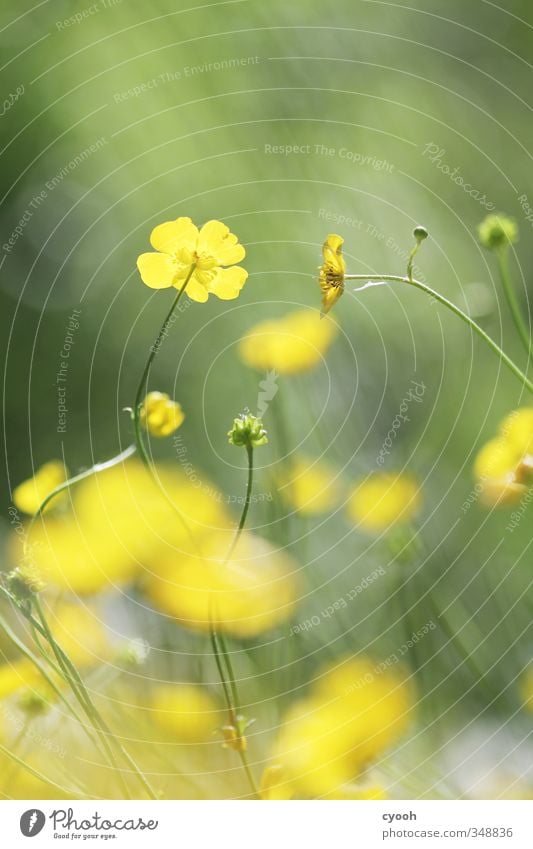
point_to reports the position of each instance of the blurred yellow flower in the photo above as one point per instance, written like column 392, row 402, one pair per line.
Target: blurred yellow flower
column 211, row 250
column 289, row 345
column 29, row 495
column 312, row 486
column 17, row 674
column 121, row 522
column 160, row 415
column 253, row 592
column 352, row 716
column 497, row 231
column 504, row 466
column 332, row 271
column 383, row 500
column 186, row 711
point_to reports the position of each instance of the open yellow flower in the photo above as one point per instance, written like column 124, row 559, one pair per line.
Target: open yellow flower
column 160, row 415
column 329, row 739
column 185, row 711
column 504, row 466
column 289, row 345
column 332, row 271
column 121, row 521
column 252, row 593
column 312, row 486
column 29, row 495
column 383, row 500
column 212, row 251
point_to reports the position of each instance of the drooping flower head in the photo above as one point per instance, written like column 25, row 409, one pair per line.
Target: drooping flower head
column 212, row 251
column 160, row 415
column 332, row 271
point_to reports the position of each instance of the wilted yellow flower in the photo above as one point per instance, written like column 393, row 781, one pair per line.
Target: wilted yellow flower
column 160, row 415
column 211, row 250
column 289, row 345
column 253, row 592
column 383, row 500
column 353, row 715
column 29, row 495
column 186, row 711
column 332, row 272
column 504, row 466
column 312, row 486
column 121, row 522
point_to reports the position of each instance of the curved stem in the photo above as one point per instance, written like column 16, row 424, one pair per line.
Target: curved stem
column 98, row 467
column 146, row 372
column 220, row 649
column 395, row 278
column 512, row 301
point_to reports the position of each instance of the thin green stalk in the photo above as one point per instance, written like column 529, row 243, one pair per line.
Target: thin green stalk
column 30, row 769
column 92, row 710
column 141, row 389
column 512, row 301
column 247, row 500
column 98, row 467
column 395, row 278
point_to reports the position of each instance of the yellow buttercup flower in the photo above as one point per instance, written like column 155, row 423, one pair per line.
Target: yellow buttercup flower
column 312, row 486
column 504, row 466
column 328, row 740
column 185, row 711
column 253, row 592
column 383, row 500
column 160, row 415
column 289, row 345
column 121, row 522
column 29, row 495
column 332, row 271
column 212, row 251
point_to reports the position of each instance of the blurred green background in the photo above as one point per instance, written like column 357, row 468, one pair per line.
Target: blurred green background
column 183, row 107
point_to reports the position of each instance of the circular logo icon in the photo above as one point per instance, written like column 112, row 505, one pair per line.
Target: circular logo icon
column 32, row 822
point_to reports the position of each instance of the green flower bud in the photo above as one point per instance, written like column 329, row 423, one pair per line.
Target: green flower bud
column 496, row 231
column 420, row 233
column 33, row 703
column 24, row 582
column 247, row 431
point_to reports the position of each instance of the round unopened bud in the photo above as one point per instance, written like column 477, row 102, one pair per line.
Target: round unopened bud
column 420, row 233
column 247, row 431
column 33, row 703
column 497, row 231
column 24, row 582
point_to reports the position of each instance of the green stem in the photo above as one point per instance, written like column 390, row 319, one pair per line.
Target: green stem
column 512, row 301
column 98, row 467
column 141, row 389
column 247, row 500
column 395, row 278
column 28, row 768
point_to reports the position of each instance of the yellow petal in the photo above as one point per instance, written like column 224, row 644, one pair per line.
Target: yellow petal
column 212, row 235
column 157, row 270
column 228, row 282
column 173, row 235
column 196, row 291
